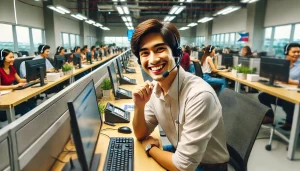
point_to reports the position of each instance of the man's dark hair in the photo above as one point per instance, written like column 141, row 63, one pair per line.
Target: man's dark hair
column 42, row 48
column 288, row 47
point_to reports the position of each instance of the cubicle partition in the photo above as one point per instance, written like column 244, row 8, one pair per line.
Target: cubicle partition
column 38, row 137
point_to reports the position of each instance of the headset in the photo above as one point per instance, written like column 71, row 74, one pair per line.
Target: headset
column 210, row 48
column 75, row 48
column 286, row 49
column 42, row 50
column 58, row 50
column 1, row 54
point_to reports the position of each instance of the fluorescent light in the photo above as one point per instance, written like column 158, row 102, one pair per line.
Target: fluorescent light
column 171, row 18
column 189, row 0
column 76, row 17
column 205, row 19
column 115, row 0
column 130, row 24
column 232, row 10
column 184, row 28
column 97, row 24
column 127, row 24
column 105, row 28
column 166, row 18
column 245, row 1
column 122, row 0
column 227, row 10
column 65, row 10
column 125, row 9
column 173, row 9
column 180, row 9
column 55, row 9
column 81, row 16
column 90, row 21
column 124, row 18
column 129, row 19
column 120, row 10
column 192, row 24
column 251, row 1
column 181, row 0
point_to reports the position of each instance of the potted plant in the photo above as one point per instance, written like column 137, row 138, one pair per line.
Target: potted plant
column 67, row 69
column 234, row 70
column 101, row 107
column 106, row 87
column 243, row 71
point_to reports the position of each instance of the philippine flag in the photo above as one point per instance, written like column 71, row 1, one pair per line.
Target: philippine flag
column 244, row 37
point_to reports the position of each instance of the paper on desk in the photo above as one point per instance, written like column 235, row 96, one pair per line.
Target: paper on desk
column 293, row 88
column 128, row 107
column 3, row 92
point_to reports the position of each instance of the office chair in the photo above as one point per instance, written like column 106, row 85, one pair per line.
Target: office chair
column 199, row 73
column 24, row 53
column 242, row 118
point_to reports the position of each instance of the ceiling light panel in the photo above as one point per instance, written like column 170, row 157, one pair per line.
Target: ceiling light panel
column 184, row 28
column 173, row 9
column 120, row 10
column 126, row 10
column 205, row 19
column 181, row 8
column 192, row 24
column 75, row 16
column 65, row 10
column 124, row 18
column 55, row 9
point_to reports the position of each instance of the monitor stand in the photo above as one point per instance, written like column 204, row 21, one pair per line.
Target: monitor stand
column 271, row 82
column 74, row 164
column 42, row 78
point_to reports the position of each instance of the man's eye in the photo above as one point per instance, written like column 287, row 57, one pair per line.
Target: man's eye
column 160, row 49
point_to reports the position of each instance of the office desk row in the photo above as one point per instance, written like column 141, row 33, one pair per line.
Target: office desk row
column 282, row 93
column 141, row 160
column 12, row 99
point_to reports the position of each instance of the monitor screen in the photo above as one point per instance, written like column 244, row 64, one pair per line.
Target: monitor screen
column 33, row 69
column 113, row 77
column 59, row 61
column 129, row 34
column 277, row 68
column 119, row 65
column 85, row 113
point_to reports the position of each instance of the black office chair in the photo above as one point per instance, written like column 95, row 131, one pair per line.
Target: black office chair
column 242, row 120
column 24, row 53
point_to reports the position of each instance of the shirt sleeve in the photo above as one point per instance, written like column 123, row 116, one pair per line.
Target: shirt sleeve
column 22, row 70
column 202, row 114
column 150, row 118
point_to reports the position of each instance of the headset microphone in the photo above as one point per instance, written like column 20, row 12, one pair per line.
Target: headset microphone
column 165, row 74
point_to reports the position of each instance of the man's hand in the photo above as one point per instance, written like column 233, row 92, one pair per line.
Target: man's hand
column 142, row 93
column 150, row 140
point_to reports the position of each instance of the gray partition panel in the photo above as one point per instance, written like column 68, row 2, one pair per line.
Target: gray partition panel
column 5, row 147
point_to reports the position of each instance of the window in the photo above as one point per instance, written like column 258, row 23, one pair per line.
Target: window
column 232, row 39
column 65, row 38
column 72, row 41
column 77, row 40
column 217, row 42
column 268, row 36
column 226, row 41
column 23, row 38
column 37, row 35
column 6, row 37
column 297, row 34
column 281, row 38
column 222, row 40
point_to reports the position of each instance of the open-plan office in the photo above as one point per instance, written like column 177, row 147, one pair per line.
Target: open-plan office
column 71, row 85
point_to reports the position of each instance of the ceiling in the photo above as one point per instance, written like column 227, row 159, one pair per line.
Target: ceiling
column 104, row 11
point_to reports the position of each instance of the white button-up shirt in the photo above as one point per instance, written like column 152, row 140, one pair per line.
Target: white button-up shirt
column 201, row 128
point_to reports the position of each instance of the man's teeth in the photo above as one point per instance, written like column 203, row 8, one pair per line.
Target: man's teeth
column 156, row 68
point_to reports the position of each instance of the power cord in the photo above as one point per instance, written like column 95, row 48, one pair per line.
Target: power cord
column 56, row 159
column 108, row 129
column 105, row 135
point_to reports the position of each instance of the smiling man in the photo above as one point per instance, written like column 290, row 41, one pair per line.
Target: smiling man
column 184, row 105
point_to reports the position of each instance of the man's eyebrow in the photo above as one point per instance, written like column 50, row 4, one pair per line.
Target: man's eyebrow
column 156, row 45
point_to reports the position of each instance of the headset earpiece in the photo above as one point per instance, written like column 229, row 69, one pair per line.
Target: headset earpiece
column 1, row 54
column 42, row 50
column 210, row 48
column 286, row 49
column 58, row 50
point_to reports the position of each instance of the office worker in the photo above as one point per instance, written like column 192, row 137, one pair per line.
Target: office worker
column 197, row 138
column 60, row 50
column 292, row 52
column 84, row 50
column 93, row 50
column 75, row 50
column 246, row 52
column 8, row 75
column 185, row 61
column 209, row 63
column 44, row 51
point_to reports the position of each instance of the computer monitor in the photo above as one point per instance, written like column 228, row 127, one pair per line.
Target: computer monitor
column 59, row 61
column 100, row 54
column 274, row 69
column 36, row 69
column 119, row 65
column 89, row 57
column 96, row 55
column 105, row 53
column 200, row 54
column 227, row 60
column 244, row 61
column 86, row 123
column 113, row 78
column 77, row 59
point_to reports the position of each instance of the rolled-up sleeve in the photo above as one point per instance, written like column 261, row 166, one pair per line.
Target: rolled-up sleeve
column 150, row 118
column 202, row 114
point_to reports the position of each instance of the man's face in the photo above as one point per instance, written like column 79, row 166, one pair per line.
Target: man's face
column 156, row 56
column 294, row 54
column 46, row 53
column 244, row 52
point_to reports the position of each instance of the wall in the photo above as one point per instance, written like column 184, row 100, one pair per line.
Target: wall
column 116, row 31
column 7, row 11
column 280, row 12
column 233, row 22
column 68, row 25
column 200, row 30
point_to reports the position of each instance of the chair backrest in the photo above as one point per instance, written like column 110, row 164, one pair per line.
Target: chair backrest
column 24, row 53
column 198, row 69
column 242, row 120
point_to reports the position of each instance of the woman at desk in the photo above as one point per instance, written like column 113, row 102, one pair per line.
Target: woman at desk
column 246, row 52
column 8, row 75
column 185, row 61
column 208, row 66
column 93, row 50
column 292, row 52
column 84, row 50
column 60, row 50
column 75, row 50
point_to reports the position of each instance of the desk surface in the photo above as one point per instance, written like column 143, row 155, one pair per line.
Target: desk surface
column 288, row 95
column 18, row 96
column 141, row 160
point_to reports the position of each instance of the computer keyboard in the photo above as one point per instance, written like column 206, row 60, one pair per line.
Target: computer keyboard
column 119, row 154
column 26, row 85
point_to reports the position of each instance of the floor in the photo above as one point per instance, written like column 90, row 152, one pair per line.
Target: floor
column 263, row 160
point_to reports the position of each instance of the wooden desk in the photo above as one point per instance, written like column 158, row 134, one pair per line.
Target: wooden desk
column 141, row 160
column 282, row 93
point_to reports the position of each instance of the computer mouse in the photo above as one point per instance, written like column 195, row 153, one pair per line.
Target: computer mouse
column 124, row 130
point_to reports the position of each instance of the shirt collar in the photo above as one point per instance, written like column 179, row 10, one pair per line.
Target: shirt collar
column 173, row 91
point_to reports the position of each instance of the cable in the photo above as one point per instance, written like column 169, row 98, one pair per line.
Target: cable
column 58, row 160
column 108, row 129
column 105, row 135
column 178, row 104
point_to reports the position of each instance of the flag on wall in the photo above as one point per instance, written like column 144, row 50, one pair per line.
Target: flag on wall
column 244, row 37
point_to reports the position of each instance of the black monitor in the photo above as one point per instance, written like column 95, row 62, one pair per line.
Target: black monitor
column 96, row 55
column 227, row 60
column 86, row 123
column 100, row 54
column 105, row 53
column 113, row 78
column 244, row 61
column 36, row 69
column 119, row 65
column 77, row 59
column 67, row 56
column 59, row 61
column 200, row 54
column 89, row 57
column 274, row 69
